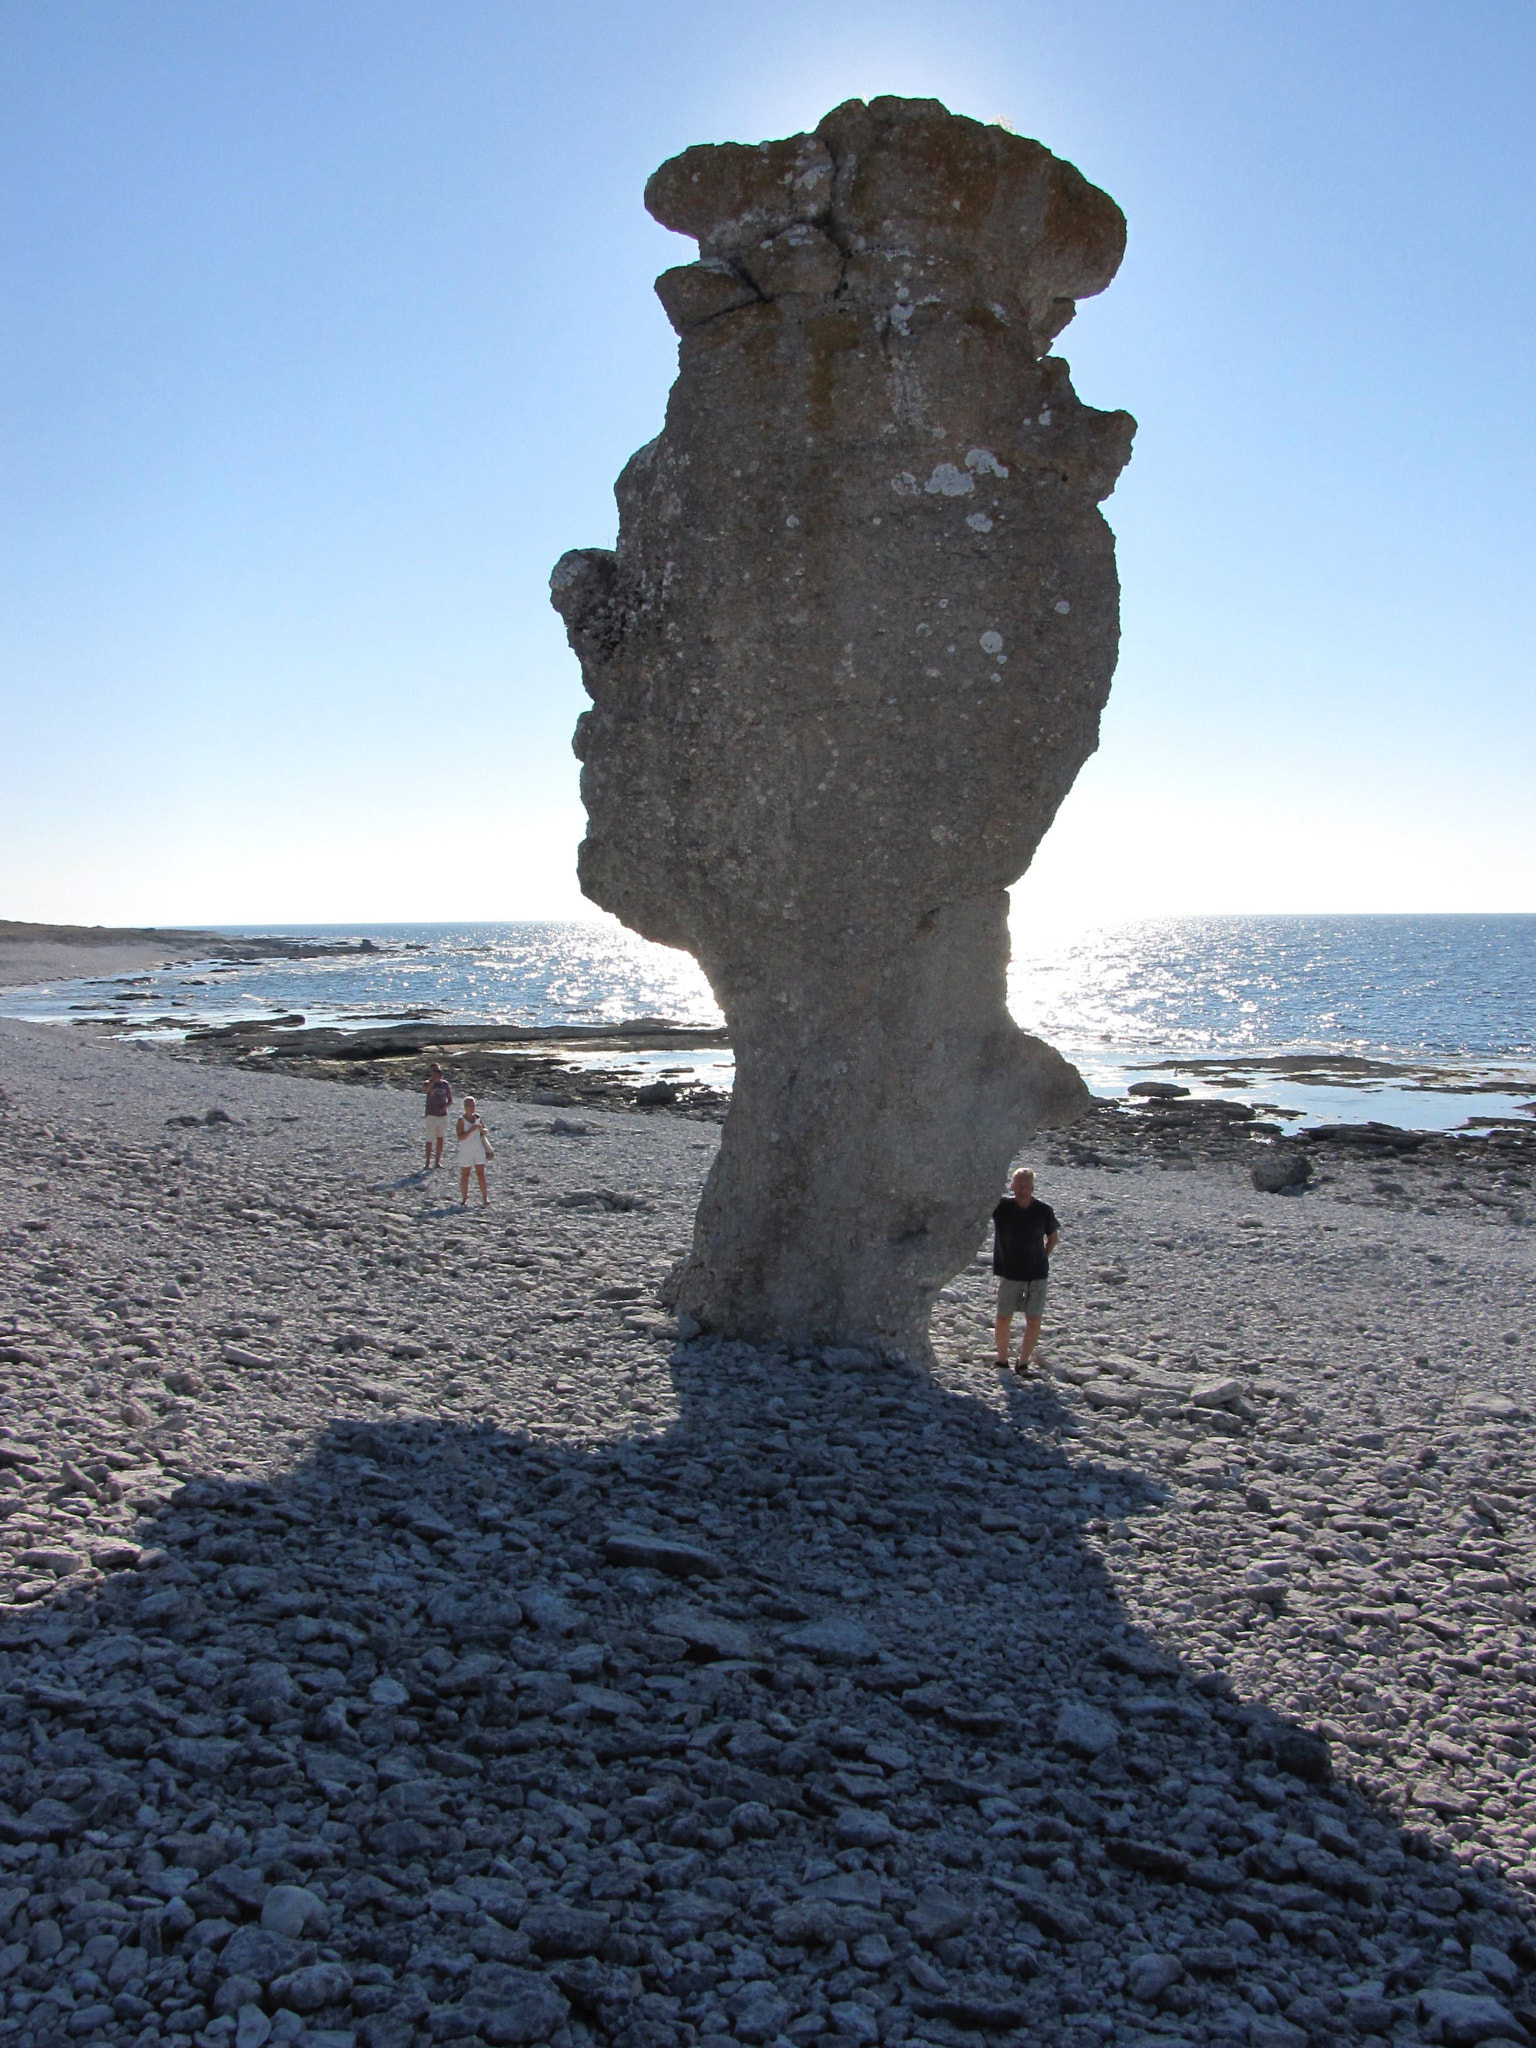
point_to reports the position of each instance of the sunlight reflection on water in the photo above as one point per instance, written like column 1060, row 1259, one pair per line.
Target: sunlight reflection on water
column 1387, row 987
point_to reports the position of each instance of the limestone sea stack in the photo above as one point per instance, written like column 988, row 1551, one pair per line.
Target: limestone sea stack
column 845, row 662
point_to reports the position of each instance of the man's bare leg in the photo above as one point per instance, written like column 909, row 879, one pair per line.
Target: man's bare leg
column 1000, row 1330
column 428, row 1167
column 1031, row 1339
column 439, row 1152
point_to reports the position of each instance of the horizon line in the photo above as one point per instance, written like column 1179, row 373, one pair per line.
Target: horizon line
column 283, row 926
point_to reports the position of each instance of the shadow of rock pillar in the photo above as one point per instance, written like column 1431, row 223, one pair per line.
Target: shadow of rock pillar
column 845, row 662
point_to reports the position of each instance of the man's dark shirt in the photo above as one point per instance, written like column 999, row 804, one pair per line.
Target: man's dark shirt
column 439, row 1097
column 1018, row 1239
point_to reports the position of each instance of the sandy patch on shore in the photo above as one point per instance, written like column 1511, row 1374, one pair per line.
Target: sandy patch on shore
column 643, row 1689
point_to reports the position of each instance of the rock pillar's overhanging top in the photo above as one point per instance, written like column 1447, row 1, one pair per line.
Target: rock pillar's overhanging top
column 983, row 212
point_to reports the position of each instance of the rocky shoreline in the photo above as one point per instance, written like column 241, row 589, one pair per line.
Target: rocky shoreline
column 1162, row 1124
column 411, row 1634
column 513, row 1064
column 1373, row 1164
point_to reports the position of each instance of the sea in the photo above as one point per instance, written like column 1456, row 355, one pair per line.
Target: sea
column 1422, row 1022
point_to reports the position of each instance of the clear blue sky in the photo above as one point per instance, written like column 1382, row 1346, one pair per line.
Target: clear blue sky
column 324, row 330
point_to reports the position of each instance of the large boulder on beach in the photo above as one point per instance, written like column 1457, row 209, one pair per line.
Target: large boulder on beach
column 845, row 663
column 1283, row 1170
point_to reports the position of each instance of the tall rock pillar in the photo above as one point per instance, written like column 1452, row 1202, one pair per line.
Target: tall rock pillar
column 845, row 663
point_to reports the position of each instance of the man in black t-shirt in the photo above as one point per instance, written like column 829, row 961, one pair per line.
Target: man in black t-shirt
column 1024, row 1234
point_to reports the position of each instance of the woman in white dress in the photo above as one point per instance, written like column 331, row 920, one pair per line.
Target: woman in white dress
column 474, row 1151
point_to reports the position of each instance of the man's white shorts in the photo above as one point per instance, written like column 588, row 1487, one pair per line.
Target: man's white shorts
column 437, row 1128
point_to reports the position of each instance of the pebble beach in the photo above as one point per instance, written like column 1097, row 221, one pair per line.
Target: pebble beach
column 409, row 1633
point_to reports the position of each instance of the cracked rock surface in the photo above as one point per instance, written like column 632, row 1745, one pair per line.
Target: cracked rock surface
column 845, row 663
column 408, row 1637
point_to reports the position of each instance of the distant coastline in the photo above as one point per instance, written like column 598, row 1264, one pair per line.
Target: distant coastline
column 15, row 931
column 44, row 952
column 33, row 953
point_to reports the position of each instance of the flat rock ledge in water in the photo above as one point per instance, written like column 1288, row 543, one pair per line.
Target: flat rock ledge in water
column 1004, row 1714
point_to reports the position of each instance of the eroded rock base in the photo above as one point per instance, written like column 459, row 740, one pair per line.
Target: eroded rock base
column 874, row 1116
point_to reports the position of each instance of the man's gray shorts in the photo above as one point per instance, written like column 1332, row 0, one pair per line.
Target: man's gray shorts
column 1021, row 1297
